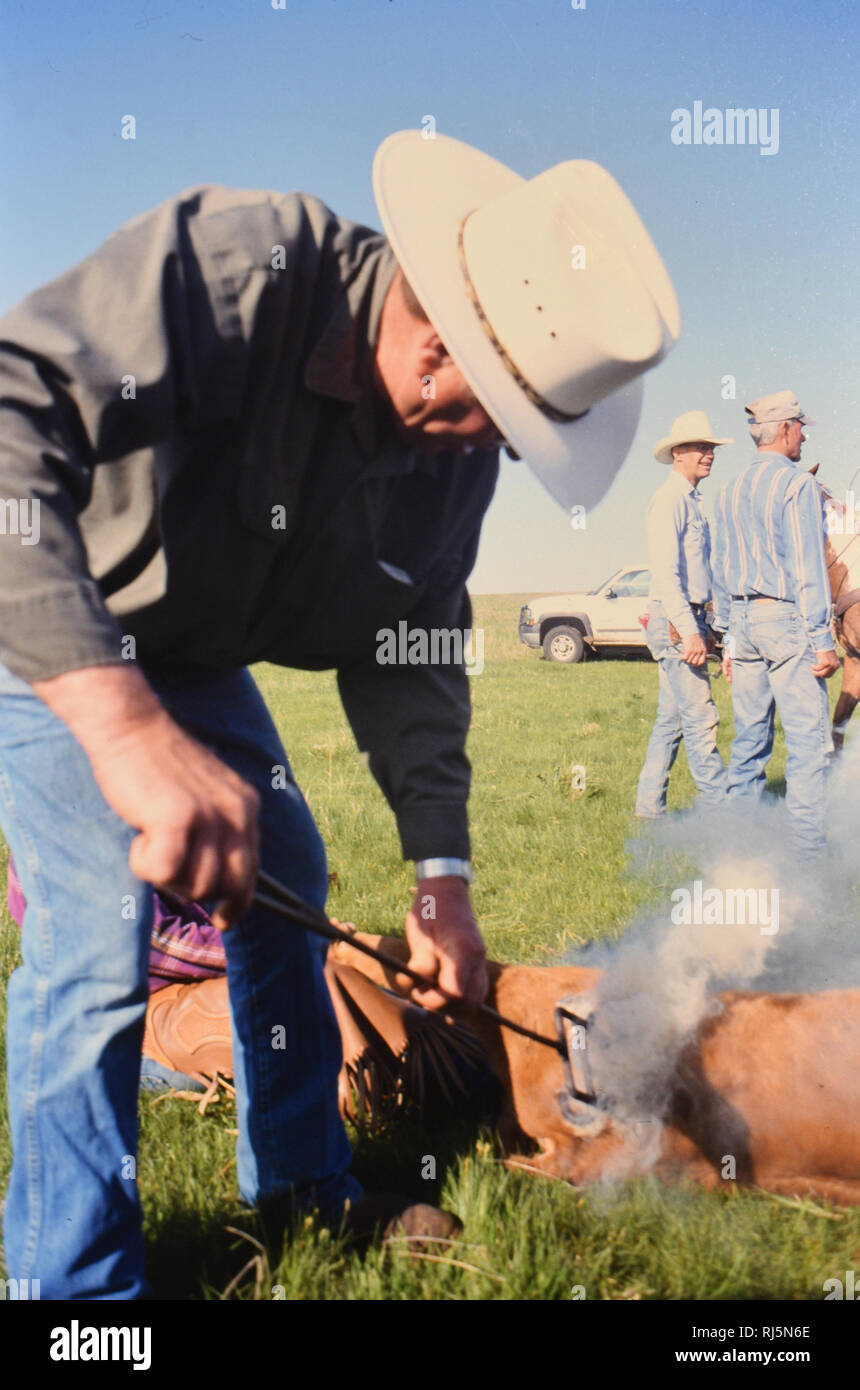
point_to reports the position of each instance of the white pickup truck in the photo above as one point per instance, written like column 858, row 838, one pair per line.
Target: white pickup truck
column 564, row 625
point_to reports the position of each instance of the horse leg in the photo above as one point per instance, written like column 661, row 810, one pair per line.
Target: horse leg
column 849, row 697
column 845, row 707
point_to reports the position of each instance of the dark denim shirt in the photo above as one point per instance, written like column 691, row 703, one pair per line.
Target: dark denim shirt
column 193, row 407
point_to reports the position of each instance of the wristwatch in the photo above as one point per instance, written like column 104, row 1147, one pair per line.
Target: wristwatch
column 441, row 868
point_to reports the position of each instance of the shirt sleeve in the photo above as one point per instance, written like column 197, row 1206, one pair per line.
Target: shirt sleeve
column 722, row 597
column 140, row 339
column 665, row 523
column 805, row 527
column 412, row 720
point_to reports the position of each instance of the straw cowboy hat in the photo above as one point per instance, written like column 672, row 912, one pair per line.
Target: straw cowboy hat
column 687, row 428
column 548, row 293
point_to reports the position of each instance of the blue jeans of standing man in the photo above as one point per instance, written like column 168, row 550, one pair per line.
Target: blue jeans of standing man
column 771, row 668
column 684, row 710
column 76, row 1005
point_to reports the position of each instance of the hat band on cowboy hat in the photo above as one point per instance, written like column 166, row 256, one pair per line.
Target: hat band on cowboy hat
column 575, row 334
column 687, row 429
column 548, row 294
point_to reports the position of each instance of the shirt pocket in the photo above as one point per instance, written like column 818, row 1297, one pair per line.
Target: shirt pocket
column 349, row 608
column 697, row 536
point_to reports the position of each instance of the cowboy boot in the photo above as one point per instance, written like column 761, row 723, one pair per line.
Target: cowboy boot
column 188, row 1029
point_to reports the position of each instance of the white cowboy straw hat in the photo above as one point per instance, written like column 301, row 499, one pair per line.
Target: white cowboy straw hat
column 687, row 429
column 553, row 349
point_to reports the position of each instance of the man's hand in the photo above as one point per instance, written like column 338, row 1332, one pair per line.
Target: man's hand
column 694, row 651
column 825, row 664
column 726, row 668
column 197, row 819
column 445, row 943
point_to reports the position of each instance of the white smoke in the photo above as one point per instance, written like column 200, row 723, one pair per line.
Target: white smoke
column 662, row 979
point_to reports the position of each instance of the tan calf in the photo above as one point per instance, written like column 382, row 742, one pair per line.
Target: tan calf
column 772, row 1081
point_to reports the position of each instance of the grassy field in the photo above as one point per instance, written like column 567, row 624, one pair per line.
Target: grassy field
column 552, row 869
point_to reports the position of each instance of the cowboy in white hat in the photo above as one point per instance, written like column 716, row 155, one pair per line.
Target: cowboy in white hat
column 305, row 461
column 677, row 633
column 773, row 599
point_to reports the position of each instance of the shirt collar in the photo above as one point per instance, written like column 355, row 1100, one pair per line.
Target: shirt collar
column 340, row 365
column 679, row 482
column 781, row 459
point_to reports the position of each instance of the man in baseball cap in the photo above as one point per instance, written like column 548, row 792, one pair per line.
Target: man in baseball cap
column 773, row 599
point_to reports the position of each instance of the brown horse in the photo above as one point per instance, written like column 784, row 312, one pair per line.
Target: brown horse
column 843, row 567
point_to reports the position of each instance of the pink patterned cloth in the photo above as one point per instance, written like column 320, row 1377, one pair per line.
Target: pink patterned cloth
column 15, row 895
column 184, row 945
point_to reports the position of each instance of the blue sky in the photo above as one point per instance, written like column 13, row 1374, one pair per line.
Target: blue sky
column 761, row 248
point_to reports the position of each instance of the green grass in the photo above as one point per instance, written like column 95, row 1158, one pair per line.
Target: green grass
column 552, row 869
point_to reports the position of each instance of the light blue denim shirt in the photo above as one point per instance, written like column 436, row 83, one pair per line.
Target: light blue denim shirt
column 679, row 551
column 769, row 541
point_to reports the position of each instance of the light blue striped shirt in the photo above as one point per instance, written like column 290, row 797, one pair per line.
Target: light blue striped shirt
column 679, row 549
column 769, row 541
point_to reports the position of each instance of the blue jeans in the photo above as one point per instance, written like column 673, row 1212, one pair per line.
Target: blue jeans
column 684, row 710
column 771, row 660
column 76, row 1005
column 155, row 1077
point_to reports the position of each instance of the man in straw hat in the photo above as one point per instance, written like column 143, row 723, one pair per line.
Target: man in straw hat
column 773, row 598
column 256, row 431
column 679, row 557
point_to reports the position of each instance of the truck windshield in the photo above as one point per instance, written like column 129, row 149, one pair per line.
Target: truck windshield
column 606, row 583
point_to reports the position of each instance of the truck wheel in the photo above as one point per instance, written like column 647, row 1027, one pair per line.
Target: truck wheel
column 563, row 644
